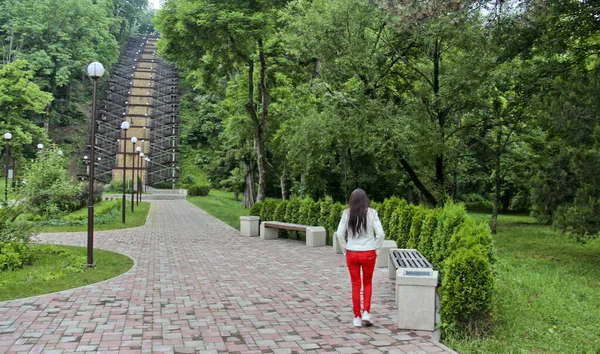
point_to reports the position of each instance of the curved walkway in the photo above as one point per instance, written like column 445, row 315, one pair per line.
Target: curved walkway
column 197, row 286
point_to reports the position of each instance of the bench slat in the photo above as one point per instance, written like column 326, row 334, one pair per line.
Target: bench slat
column 410, row 259
column 286, row 226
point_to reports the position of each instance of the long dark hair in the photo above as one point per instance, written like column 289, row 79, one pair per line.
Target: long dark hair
column 358, row 205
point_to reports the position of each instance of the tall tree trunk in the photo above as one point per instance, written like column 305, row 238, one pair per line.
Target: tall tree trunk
column 498, row 152
column 248, row 200
column 264, row 94
column 439, row 159
column 282, row 184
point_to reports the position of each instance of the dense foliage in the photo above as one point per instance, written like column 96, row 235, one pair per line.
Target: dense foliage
column 490, row 103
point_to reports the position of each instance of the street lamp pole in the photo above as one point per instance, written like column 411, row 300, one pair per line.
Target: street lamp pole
column 137, row 175
column 146, row 177
column 7, row 137
column 95, row 71
column 133, row 141
column 140, row 190
column 124, row 126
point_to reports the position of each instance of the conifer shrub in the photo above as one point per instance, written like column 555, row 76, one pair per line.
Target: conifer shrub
column 467, row 290
column 427, row 233
column 292, row 211
column 256, row 209
column 449, row 219
column 334, row 218
column 404, row 222
column 389, row 207
column 304, row 211
column 314, row 214
column 415, row 227
column 268, row 210
column 279, row 214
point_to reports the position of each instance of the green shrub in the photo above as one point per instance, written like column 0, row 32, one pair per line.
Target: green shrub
column 198, row 190
column 292, row 212
column 466, row 291
column 470, row 234
column 579, row 219
column 415, row 227
column 279, row 214
column 428, row 228
column 334, row 217
column 394, row 224
column 256, row 209
column 404, row 222
column 449, row 219
column 314, row 214
column 326, row 205
column 389, row 207
column 304, row 211
column 268, row 210
column 10, row 257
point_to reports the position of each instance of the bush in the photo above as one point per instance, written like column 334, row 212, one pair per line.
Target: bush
column 449, row 219
column 268, row 210
column 334, row 217
column 292, row 211
column 404, row 222
column 82, row 198
column 256, row 208
column 304, row 211
column 279, row 214
column 428, row 233
column 14, row 238
column 325, row 205
column 389, row 207
column 198, row 190
column 579, row 219
column 466, row 291
column 415, row 227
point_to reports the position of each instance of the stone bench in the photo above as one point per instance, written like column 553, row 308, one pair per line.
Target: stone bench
column 315, row 235
column 416, row 283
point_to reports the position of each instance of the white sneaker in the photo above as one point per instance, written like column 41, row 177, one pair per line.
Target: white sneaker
column 357, row 322
column 366, row 319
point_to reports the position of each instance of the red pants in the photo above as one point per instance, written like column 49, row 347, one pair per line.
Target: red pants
column 355, row 260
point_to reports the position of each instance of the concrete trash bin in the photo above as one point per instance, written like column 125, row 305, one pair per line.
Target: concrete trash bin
column 415, row 298
column 383, row 257
column 249, row 225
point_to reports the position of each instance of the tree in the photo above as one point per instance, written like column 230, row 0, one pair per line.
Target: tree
column 224, row 37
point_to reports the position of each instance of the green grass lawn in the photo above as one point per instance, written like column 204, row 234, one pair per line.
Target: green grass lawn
column 222, row 206
column 59, row 268
column 137, row 218
column 547, row 292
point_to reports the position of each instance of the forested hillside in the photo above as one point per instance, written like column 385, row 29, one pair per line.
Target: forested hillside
column 492, row 103
column 45, row 93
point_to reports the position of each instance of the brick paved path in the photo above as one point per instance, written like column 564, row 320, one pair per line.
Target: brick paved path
column 197, row 286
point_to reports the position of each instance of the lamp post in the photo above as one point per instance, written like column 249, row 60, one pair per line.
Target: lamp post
column 133, row 141
column 40, row 146
column 7, row 137
column 139, row 177
column 146, row 178
column 95, row 71
column 124, row 126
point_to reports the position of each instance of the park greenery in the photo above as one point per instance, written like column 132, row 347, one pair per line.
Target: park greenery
column 45, row 96
column 545, row 289
column 488, row 103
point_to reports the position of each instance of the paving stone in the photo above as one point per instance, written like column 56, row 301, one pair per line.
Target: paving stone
column 198, row 286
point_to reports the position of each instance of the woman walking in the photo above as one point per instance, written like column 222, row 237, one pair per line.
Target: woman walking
column 360, row 236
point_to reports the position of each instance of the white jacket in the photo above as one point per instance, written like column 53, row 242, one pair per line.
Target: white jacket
column 367, row 240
